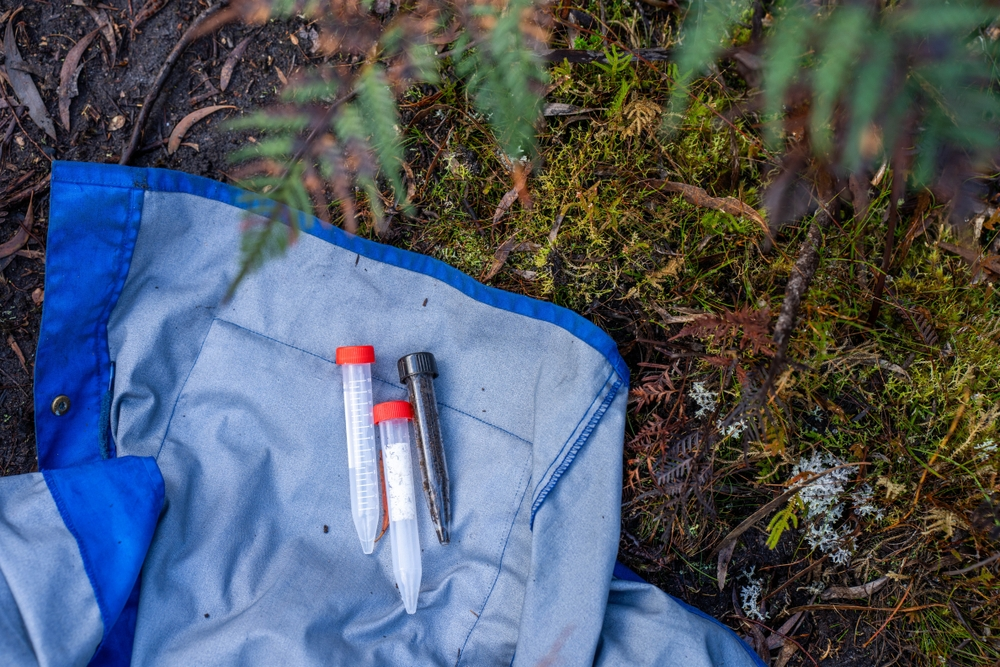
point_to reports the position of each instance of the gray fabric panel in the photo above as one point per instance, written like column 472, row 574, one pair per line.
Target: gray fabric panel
column 681, row 638
column 14, row 644
column 53, row 602
column 255, row 465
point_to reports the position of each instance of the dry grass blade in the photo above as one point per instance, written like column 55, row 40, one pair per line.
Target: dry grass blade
column 699, row 197
column 22, row 84
column 70, row 73
column 231, row 61
column 188, row 121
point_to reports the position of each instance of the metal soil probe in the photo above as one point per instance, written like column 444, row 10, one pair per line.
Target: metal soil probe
column 417, row 371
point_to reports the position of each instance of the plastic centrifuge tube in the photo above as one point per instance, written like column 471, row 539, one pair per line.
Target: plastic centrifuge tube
column 362, row 464
column 394, row 434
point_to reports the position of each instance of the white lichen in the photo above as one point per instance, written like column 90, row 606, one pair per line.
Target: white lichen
column 863, row 505
column 822, row 499
column 750, row 596
column 733, row 430
column 986, row 449
column 703, row 398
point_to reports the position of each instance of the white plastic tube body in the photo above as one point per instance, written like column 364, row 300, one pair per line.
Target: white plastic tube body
column 403, row 534
column 361, row 455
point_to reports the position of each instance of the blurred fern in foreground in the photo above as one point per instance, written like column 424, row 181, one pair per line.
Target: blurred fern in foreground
column 856, row 83
column 336, row 131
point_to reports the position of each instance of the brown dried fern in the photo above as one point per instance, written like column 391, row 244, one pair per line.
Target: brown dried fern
column 744, row 327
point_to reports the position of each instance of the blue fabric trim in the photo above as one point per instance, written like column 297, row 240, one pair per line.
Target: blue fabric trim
column 111, row 509
column 89, row 249
column 164, row 180
column 116, row 649
column 624, row 573
column 571, row 455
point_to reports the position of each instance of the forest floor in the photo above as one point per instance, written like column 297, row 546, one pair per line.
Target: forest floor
column 893, row 563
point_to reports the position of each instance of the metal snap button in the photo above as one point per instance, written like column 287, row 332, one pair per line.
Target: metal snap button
column 60, row 405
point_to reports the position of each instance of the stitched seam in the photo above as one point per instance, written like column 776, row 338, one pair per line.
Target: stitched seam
column 575, row 449
column 461, row 412
column 559, row 454
column 374, row 377
column 88, row 564
column 482, row 608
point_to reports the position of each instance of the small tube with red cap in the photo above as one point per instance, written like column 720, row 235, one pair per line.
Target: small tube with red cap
column 362, row 463
column 393, row 419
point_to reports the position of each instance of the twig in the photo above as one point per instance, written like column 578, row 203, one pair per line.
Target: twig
column 192, row 33
column 861, row 607
column 895, row 192
column 593, row 56
column 966, row 570
column 26, row 193
column 803, row 271
column 891, row 616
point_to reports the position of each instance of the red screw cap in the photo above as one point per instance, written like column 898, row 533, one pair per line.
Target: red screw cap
column 356, row 354
column 392, row 410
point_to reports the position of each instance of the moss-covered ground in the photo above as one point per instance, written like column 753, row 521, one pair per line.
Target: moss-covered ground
column 909, row 407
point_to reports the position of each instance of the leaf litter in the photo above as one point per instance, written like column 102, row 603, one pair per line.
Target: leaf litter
column 69, row 75
column 188, row 121
column 24, row 88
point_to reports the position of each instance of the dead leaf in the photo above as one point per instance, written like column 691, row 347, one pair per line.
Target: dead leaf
column 70, row 73
column 777, row 638
column 38, row 296
column 116, row 123
column 147, row 12
column 231, row 61
column 20, row 237
column 508, row 246
column 281, row 76
column 725, row 555
column 103, row 21
column 560, row 109
column 17, row 350
column 22, row 84
column 185, row 124
column 787, row 652
column 989, row 262
column 505, row 203
column 699, row 197
column 854, row 592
